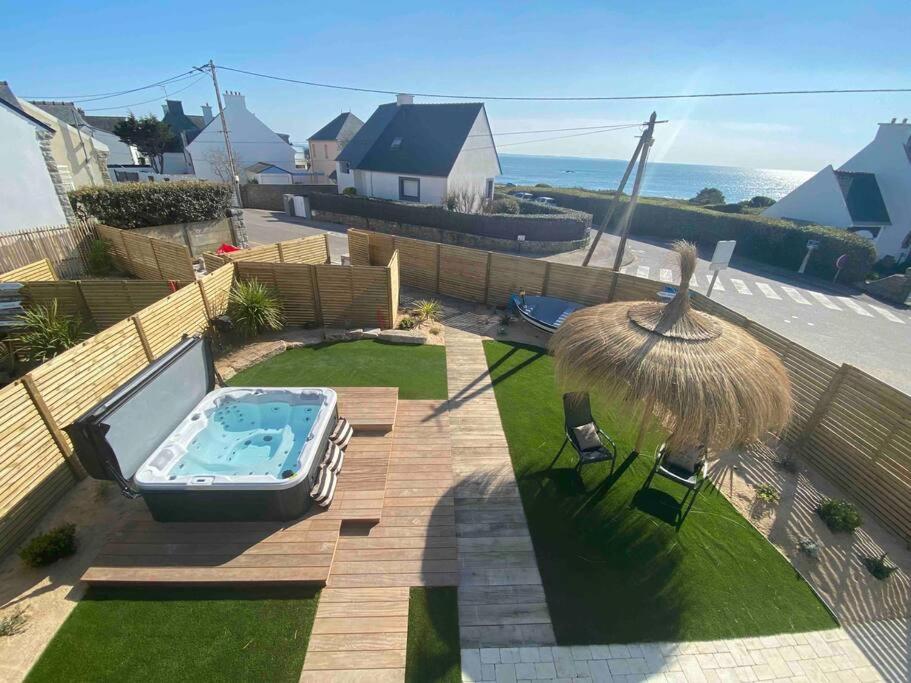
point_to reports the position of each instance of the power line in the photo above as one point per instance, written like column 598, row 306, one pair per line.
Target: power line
column 558, row 130
column 600, row 98
column 563, row 137
column 104, row 96
column 155, row 99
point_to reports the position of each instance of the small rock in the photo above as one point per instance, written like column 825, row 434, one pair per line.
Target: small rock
column 372, row 333
column 331, row 334
column 403, row 337
column 354, row 334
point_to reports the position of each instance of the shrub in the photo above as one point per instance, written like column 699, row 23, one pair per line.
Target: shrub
column 14, row 622
column 725, row 208
column 47, row 332
column 407, row 323
column 759, row 201
column 138, row 205
column 49, row 547
column 100, row 260
column 767, row 493
column 542, row 185
column 349, row 192
column 708, row 195
column 773, row 241
column 503, row 205
column 427, row 309
column 879, row 567
column 253, row 308
column 840, row 516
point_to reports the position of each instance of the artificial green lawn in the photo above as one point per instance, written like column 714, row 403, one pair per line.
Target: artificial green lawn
column 202, row 634
column 418, row 371
column 433, row 636
column 615, row 569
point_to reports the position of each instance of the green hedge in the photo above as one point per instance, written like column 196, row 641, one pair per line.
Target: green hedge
column 139, row 205
column 767, row 240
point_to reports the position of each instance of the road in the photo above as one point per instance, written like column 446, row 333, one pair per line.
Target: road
column 834, row 321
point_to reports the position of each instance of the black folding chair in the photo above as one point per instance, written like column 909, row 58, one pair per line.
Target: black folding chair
column 577, row 412
column 693, row 480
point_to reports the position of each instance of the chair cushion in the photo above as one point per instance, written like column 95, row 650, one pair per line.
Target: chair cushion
column 324, row 489
column 685, row 462
column 333, row 458
column 587, row 437
column 342, row 433
column 595, row 455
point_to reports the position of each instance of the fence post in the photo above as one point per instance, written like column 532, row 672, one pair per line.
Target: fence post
column 205, row 300
column 155, row 256
column 281, row 255
column 822, row 405
column 85, row 302
column 328, row 253
column 126, row 251
column 317, row 302
column 146, row 347
column 437, row 283
column 487, row 280
column 52, row 426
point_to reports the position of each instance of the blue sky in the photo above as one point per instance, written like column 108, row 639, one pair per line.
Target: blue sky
column 553, row 48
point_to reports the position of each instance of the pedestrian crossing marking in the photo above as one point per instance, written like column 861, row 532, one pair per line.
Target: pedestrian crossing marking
column 665, row 275
column 642, row 271
column 740, row 286
column 824, row 300
column 854, row 306
column 795, row 295
column 719, row 285
column 886, row 313
column 767, row 290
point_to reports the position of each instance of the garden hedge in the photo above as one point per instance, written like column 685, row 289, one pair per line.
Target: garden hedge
column 775, row 242
column 139, row 205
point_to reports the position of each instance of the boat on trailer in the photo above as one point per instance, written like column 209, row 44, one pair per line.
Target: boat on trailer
column 544, row 312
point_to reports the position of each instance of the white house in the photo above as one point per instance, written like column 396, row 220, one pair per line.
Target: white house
column 251, row 139
column 421, row 153
column 30, row 196
column 869, row 194
column 327, row 142
column 102, row 128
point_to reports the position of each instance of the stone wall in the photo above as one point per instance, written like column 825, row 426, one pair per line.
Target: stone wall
column 895, row 289
column 269, row 197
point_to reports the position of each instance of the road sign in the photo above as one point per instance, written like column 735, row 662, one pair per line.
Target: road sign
column 722, row 256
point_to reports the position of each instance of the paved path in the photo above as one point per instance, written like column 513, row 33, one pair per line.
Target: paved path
column 501, row 599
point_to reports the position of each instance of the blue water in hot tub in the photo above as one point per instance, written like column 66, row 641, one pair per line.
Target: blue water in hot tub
column 249, row 437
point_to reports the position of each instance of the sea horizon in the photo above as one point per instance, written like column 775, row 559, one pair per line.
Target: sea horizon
column 675, row 180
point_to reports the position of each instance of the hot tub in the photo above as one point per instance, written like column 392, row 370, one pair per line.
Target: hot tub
column 197, row 453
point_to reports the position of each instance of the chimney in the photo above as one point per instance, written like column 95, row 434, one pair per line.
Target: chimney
column 206, row 114
column 905, row 120
column 893, row 120
column 164, row 108
column 175, row 106
column 235, row 99
column 402, row 98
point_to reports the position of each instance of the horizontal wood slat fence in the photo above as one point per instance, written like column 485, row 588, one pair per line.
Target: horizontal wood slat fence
column 330, row 295
column 100, row 303
column 148, row 258
column 850, row 425
column 313, row 250
column 66, row 247
column 36, row 461
column 39, row 270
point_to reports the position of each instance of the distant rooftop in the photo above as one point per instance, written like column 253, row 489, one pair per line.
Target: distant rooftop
column 342, row 127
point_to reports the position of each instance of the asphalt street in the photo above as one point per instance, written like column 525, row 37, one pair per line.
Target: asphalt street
column 834, row 321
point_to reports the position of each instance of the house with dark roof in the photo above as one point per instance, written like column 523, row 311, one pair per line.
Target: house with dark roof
column 421, row 153
column 870, row 194
column 327, row 142
column 31, row 191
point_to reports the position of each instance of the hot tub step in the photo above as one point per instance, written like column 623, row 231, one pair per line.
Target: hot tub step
column 368, row 409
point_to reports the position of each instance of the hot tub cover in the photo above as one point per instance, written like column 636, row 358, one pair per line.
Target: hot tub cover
column 115, row 437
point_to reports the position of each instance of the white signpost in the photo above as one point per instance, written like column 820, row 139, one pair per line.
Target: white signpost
column 720, row 260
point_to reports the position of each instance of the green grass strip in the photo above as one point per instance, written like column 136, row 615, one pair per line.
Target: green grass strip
column 433, row 636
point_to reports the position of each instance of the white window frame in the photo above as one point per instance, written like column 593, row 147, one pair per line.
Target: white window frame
column 409, row 198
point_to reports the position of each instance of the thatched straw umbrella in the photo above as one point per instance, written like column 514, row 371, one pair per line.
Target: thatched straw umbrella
column 706, row 380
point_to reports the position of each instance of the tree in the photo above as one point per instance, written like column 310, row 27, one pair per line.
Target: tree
column 708, row 195
column 760, row 201
column 147, row 134
column 220, row 163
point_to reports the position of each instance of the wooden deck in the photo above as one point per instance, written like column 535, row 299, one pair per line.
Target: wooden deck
column 144, row 551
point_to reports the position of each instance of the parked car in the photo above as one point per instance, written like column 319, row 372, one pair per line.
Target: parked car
column 523, row 195
column 546, row 200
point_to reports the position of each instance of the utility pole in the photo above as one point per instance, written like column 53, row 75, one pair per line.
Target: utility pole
column 605, row 220
column 224, row 129
column 646, row 144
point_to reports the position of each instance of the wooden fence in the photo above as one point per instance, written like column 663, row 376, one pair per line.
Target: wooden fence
column 853, row 427
column 36, row 461
column 331, row 295
column 148, row 258
column 39, row 270
column 313, row 249
column 99, row 302
column 66, row 247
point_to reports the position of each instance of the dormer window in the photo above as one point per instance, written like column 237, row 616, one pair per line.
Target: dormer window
column 396, row 143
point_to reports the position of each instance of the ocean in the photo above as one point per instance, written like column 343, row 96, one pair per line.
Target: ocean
column 678, row 181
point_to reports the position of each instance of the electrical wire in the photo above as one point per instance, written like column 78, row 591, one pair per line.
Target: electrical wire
column 605, row 126
column 104, row 96
column 598, row 98
column 155, row 99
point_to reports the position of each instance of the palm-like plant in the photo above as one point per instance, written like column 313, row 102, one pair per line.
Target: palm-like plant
column 47, row 332
column 427, row 309
column 254, row 307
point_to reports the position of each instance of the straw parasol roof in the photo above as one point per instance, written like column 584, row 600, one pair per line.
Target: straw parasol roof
column 708, row 381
